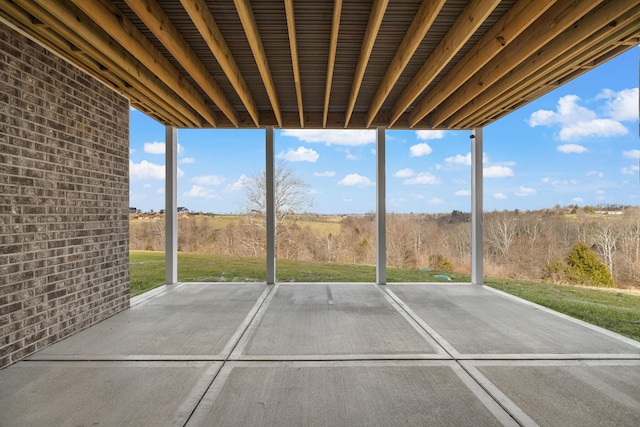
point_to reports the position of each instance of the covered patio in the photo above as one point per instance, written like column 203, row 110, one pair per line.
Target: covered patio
column 76, row 350
column 329, row 354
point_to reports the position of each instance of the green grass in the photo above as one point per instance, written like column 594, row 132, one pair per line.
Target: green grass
column 616, row 311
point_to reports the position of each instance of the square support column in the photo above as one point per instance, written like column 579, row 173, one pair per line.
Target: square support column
column 477, row 270
column 270, row 188
column 171, row 205
column 381, row 212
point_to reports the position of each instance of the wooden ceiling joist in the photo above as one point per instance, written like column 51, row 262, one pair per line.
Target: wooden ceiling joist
column 90, row 40
column 373, row 26
column 255, row 42
column 551, row 24
column 291, row 28
column 200, row 63
column 204, row 21
column 161, row 26
column 517, row 19
column 333, row 46
column 422, row 21
column 127, row 35
column 465, row 26
column 561, row 54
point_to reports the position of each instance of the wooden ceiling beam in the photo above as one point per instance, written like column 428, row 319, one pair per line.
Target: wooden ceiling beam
column 204, row 21
column 333, row 48
column 91, row 42
column 556, row 20
column 519, row 17
column 557, row 56
column 154, row 17
column 420, row 25
column 473, row 15
column 128, row 36
column 373, row 26
column 250, row 26
column 291, row 27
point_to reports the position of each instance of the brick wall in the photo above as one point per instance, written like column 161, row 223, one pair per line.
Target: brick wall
column 64, row 198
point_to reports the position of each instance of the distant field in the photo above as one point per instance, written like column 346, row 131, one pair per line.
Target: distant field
column 614, row 310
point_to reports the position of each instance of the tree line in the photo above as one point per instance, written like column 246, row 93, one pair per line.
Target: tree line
column 517, row 244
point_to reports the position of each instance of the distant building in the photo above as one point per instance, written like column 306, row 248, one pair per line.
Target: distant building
column 134, row 210
column 182, row 209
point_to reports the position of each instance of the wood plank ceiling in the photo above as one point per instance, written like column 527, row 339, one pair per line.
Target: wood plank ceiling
column 423, row 64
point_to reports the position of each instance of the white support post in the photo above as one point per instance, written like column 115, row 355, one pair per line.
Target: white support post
column 477, row 273
column 270, row 207
column 381, row 212
column 171, row 206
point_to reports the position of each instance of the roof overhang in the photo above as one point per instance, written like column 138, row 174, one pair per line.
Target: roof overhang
column 431, row 64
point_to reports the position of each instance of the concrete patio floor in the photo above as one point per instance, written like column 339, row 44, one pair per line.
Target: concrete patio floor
column 214, row 354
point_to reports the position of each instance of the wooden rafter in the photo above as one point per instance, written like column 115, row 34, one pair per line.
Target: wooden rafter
column 150, row 12
column 205, row 23
column 424, row 17
column 556, row 20
column 522, row 14
column 467, row 23
column 333, row 46
column 127, row 35
column 373, row 26
column 291, row 27
column 558, row 56
column 255, row 42
column 90, row 41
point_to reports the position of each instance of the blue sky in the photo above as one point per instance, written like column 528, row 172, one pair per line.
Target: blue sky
column 577, row 145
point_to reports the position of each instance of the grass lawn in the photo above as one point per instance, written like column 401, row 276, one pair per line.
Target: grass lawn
column 616, row 311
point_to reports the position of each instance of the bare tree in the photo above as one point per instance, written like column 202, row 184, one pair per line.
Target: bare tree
column 500, row 232
column 605, row 237
column 290, row 197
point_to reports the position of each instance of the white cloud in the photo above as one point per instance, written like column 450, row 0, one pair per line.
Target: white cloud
column 576, row 122
column 525, row 191
column 500, row 196
column 632, row 154
column 325, row 173
column 435, row 201
column 459, row 159
column 333, row 137
column 301, row 154
column 597, row 174
column 419, row 150
column 603, row 128
column 601, row 192
column 464, row 193
column 146, row 170
column 209, row 180
column 404, row 173
column 187, row 160
column 497, row 171
column 154, row 147
column 571, row 148
column 429, row 134
column 356, row 180
column 241, row 183
column 132, row 150
column 465, row 160
column 422, row 178
column 578, row 199
column 630, row 170
column 350, row 156
column 621, row 106
column 147, row 185
column 201, row 192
